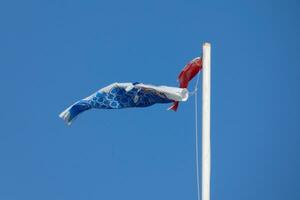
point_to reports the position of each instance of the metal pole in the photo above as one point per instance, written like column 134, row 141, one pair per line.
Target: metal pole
column 206, row 162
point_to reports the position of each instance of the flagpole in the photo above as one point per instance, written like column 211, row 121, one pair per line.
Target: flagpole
column 206, row 154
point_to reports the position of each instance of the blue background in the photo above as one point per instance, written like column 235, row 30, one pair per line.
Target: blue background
column 53, row 53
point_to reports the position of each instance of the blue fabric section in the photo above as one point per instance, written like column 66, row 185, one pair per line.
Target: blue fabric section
column 120, row 98
column 79, row 107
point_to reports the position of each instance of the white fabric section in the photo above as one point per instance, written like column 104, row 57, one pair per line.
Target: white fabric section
column 127, row 86
column 65, row 115
column 173, row 93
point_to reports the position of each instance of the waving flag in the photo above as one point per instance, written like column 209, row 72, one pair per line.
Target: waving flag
column 125, row 95
column 188, row 73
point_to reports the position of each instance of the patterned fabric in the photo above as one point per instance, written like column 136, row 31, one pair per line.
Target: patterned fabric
column 120, row 98
column 125, row 95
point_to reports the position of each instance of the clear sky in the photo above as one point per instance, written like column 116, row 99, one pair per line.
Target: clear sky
column 53, row 53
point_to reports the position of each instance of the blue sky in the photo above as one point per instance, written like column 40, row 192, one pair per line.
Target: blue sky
column 56, row 52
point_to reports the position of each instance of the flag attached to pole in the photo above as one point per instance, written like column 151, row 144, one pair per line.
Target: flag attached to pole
column 186, row 75
column 125, row 95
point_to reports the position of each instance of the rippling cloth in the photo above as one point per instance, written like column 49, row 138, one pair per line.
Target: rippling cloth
column 189, row 71
column 125, row 95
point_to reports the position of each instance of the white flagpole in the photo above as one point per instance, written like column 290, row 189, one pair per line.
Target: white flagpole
column 206, row 123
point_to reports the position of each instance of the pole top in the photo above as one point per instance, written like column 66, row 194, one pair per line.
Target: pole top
column 206, row 44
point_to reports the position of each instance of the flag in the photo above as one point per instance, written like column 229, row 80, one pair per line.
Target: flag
column 186, row 75
column 125, row 95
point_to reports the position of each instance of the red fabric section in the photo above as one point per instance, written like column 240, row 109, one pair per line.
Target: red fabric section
column 189, row 72
column 186, row 75
column 174, row 106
